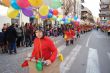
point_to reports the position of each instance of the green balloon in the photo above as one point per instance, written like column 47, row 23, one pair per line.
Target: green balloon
column 56, row 4
column 62, row 22
column 54, row 17
column 39, row 66
column 58, row 19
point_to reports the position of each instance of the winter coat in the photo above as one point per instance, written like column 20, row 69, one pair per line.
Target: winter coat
column 44, row 48
column 19, row 32
column 1, row 37
column 11, row 34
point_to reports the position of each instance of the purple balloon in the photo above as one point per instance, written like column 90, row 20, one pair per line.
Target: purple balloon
column 27, row 11
column 51, row 11
column 43, row 17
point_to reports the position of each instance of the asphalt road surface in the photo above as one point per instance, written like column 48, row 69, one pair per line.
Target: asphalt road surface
column 89, row 54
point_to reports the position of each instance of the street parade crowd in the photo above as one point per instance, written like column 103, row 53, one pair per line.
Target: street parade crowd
column 105, row 28
column 15, row 36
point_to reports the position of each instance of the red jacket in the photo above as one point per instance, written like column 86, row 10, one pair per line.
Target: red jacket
column 68, row 35
column 46, row 47
column 72, row 33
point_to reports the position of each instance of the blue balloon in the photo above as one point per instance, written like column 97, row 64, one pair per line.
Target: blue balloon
column 63, row 19
column 50, row 15
column 75, row 17
column 14, row 4
column 67, row 22
column 32, row 17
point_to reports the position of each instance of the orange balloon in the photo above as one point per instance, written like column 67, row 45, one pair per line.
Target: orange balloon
column 6, row 2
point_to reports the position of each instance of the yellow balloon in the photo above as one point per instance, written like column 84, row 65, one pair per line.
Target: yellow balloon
column 69, row 19
column 36, row 2
column 72, row 19
column 44, row 10
column 12, row 13
column 60, row 16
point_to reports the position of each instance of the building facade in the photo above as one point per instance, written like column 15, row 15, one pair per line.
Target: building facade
column 86, row 14
column 104, row 11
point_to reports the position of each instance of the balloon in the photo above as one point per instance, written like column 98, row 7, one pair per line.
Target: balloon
column 23, row 3
column 51, row 11
column 27, row 11
column 69, row 19
column 66, row 22
column 72, row 19
column 60, row 16
column 62, row 22
column 44, row 10
column 32, row 17
column 75, row 17
column 78, row 20
column 50, row 15
column 54, row 17
column 55, row 12
column 12, row 13
column 14, row 4
column 63, row 19
column 6, row 2
column 59, row 19
column 43, row 17
column 36, row 2
column 55, row 4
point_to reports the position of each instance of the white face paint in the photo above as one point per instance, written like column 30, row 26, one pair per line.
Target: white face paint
column 39, row 34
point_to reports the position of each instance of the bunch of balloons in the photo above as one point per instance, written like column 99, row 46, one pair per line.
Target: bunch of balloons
column 27, row 6
column 66, row 19
column 50, row 13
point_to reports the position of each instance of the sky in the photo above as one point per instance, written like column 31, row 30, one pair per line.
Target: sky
column 3, row 10
column 94, row 6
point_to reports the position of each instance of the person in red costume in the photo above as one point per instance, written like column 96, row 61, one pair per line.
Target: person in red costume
column 44, row 48
column 72, row 32
column 67, row 36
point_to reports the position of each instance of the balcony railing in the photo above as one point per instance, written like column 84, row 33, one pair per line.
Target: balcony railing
column 107, row 9
column 104, row 15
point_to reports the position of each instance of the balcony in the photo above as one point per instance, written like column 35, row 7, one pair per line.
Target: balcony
column 105, row 1
column 82, row 1
column 103, row 6
column 104, row 10
column 104, row 15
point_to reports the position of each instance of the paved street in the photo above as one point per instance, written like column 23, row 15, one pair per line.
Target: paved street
column 89, row 54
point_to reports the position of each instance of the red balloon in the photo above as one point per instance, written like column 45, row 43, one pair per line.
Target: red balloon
column 23, row 3
column 55, row 12
column 76, row 24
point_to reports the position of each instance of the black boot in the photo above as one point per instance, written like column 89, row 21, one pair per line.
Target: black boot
column 71, row 41
column 67, row 43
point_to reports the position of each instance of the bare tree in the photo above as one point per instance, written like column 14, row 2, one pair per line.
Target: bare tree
column 68, row 6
